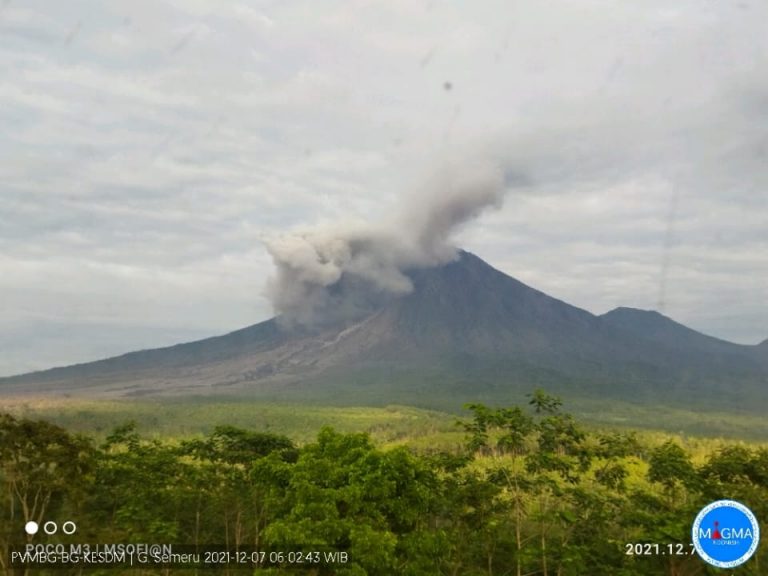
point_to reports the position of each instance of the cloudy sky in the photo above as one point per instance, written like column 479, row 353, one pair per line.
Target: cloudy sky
column 150, row 147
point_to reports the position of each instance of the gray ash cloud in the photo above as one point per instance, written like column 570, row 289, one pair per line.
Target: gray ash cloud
column 332, row 275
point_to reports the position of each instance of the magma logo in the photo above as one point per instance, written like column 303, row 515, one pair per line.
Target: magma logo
column 725, row 533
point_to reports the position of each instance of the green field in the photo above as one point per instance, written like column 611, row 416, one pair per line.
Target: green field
column 387, row 424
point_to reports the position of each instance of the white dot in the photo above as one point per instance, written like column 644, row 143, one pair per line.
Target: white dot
column 31, row 527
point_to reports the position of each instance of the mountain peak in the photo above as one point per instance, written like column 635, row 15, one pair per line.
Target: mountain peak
column 655, row 326
column 466, row 331
column 629, row 312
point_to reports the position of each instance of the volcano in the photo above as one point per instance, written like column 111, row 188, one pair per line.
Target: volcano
column 466, row 332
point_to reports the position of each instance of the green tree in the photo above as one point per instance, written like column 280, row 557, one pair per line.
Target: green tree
column 670, row 466
column 344, row 494
column 44, row 469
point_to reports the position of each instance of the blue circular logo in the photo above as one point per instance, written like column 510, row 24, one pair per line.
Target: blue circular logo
column 725, row 533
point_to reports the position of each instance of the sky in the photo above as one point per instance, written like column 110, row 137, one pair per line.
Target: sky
column 149, row 149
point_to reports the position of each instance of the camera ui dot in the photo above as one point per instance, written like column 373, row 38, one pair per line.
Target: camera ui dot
column 31, row 527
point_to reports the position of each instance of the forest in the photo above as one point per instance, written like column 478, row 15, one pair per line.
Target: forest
column 529, row 490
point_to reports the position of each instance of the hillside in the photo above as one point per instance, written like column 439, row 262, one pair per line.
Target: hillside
column 466, row 332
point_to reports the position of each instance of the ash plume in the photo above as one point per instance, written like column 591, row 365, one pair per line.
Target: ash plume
column 332, row 275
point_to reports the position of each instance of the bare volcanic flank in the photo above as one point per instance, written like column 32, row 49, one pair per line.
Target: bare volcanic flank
column 465, row 331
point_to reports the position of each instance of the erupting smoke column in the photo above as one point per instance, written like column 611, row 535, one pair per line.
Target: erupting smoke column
column 332, row 275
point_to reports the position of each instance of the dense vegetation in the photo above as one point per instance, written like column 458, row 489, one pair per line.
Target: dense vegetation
column 529, row 491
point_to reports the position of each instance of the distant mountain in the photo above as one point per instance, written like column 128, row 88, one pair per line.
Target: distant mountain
column 687, row 344
column 466, row 332
column 762, row 349
column 659, row 328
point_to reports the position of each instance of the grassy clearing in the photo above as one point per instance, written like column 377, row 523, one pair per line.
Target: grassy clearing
column 422, row 429
column 163, row 418
column 712, row 424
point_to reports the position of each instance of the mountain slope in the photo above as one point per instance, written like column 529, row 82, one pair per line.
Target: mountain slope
column 466, row 332
column 689, row 346
column 655, row 326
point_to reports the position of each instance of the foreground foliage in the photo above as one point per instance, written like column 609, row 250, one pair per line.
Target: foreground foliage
column 530, row 492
